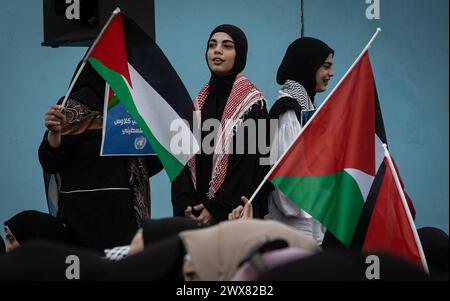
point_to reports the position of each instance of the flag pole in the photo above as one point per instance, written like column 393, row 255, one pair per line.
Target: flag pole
column 406, row 207
column 321, row 106
column 88, row 53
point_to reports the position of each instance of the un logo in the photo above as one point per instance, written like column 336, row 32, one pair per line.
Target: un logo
column 140, row 142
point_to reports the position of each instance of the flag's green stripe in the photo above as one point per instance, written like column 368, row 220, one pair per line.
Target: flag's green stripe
column 172, row 166
column 113, row 101
column 334, row 200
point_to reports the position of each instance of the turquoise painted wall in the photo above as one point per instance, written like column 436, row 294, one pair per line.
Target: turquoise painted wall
column 410, row 61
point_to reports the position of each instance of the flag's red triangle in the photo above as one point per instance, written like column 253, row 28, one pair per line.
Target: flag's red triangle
column 111, row 48
column 389, row 229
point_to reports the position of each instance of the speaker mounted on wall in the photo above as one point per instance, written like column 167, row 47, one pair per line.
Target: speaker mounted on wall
column 78, row 22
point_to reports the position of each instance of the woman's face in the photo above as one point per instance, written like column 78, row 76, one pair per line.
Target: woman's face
column 221, row 54
column 11, row 242
column 324, row 74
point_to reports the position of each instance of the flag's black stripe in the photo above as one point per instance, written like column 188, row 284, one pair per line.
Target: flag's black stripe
column 366, row 214
column 379, row 124
column 330, row 241
column 151, row 63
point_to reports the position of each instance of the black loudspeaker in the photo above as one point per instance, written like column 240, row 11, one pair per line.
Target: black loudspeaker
column 78, row 22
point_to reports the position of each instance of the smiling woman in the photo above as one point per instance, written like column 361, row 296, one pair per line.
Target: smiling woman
column 221, row 54
column 306, row 69
column 213, row 183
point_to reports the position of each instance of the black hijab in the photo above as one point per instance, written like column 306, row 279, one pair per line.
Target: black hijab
column 222, row 85
column 162, row 260
column 50, row 261
column 435, row 246
column 29, row 225
column 2, row 246
column 302, row 60
column 155, row 230
column 89, row 88
column 342, row 266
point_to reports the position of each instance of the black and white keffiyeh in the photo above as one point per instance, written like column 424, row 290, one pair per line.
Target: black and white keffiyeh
column 295, row 90
column 116, row 253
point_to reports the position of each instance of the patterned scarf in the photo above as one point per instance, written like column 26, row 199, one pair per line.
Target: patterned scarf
column 80, row 118
column 242, row 97
column 139, row 182
column 295, row 90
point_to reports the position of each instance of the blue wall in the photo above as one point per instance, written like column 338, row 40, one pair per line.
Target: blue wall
column 410, row 61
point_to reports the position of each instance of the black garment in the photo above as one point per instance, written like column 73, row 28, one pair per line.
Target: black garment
column 29, row 225
column 343, row 266
column 240, row 45
column 212, row 109
column 162, row 260
column 2, row 246
column 96, row 219
column 435, row 246
column 284, row 104
column 244, row 174
column 160, row 229
column 302, row 60
column 46, row 261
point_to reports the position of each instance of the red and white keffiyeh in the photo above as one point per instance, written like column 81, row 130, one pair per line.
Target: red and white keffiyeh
column 242, row 97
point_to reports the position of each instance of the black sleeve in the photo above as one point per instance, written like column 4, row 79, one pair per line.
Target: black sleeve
column 244, row 175
column 53, row 160
column 183, row 192
column 283, row 105
column 154, row 165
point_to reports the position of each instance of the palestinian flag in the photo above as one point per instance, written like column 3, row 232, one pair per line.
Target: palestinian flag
column 147, row 85
column 391, row 228
column 330, row 168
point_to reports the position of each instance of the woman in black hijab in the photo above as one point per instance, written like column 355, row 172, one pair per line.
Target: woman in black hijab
column 435, row 246
column 101, row 200
column 305, row 70
column 2, row 246
column 215, row 180
column 31, row 225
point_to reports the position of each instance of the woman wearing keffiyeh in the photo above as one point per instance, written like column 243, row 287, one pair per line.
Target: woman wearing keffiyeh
column 305, row 70
column 212, row 184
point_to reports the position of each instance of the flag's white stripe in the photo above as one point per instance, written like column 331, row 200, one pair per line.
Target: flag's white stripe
column 159, row 115
column 363, row 180
column 379, row 152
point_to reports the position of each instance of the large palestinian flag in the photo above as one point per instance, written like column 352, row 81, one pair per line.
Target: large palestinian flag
column 149, row 88
column 337, row 171
column 330, row 168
